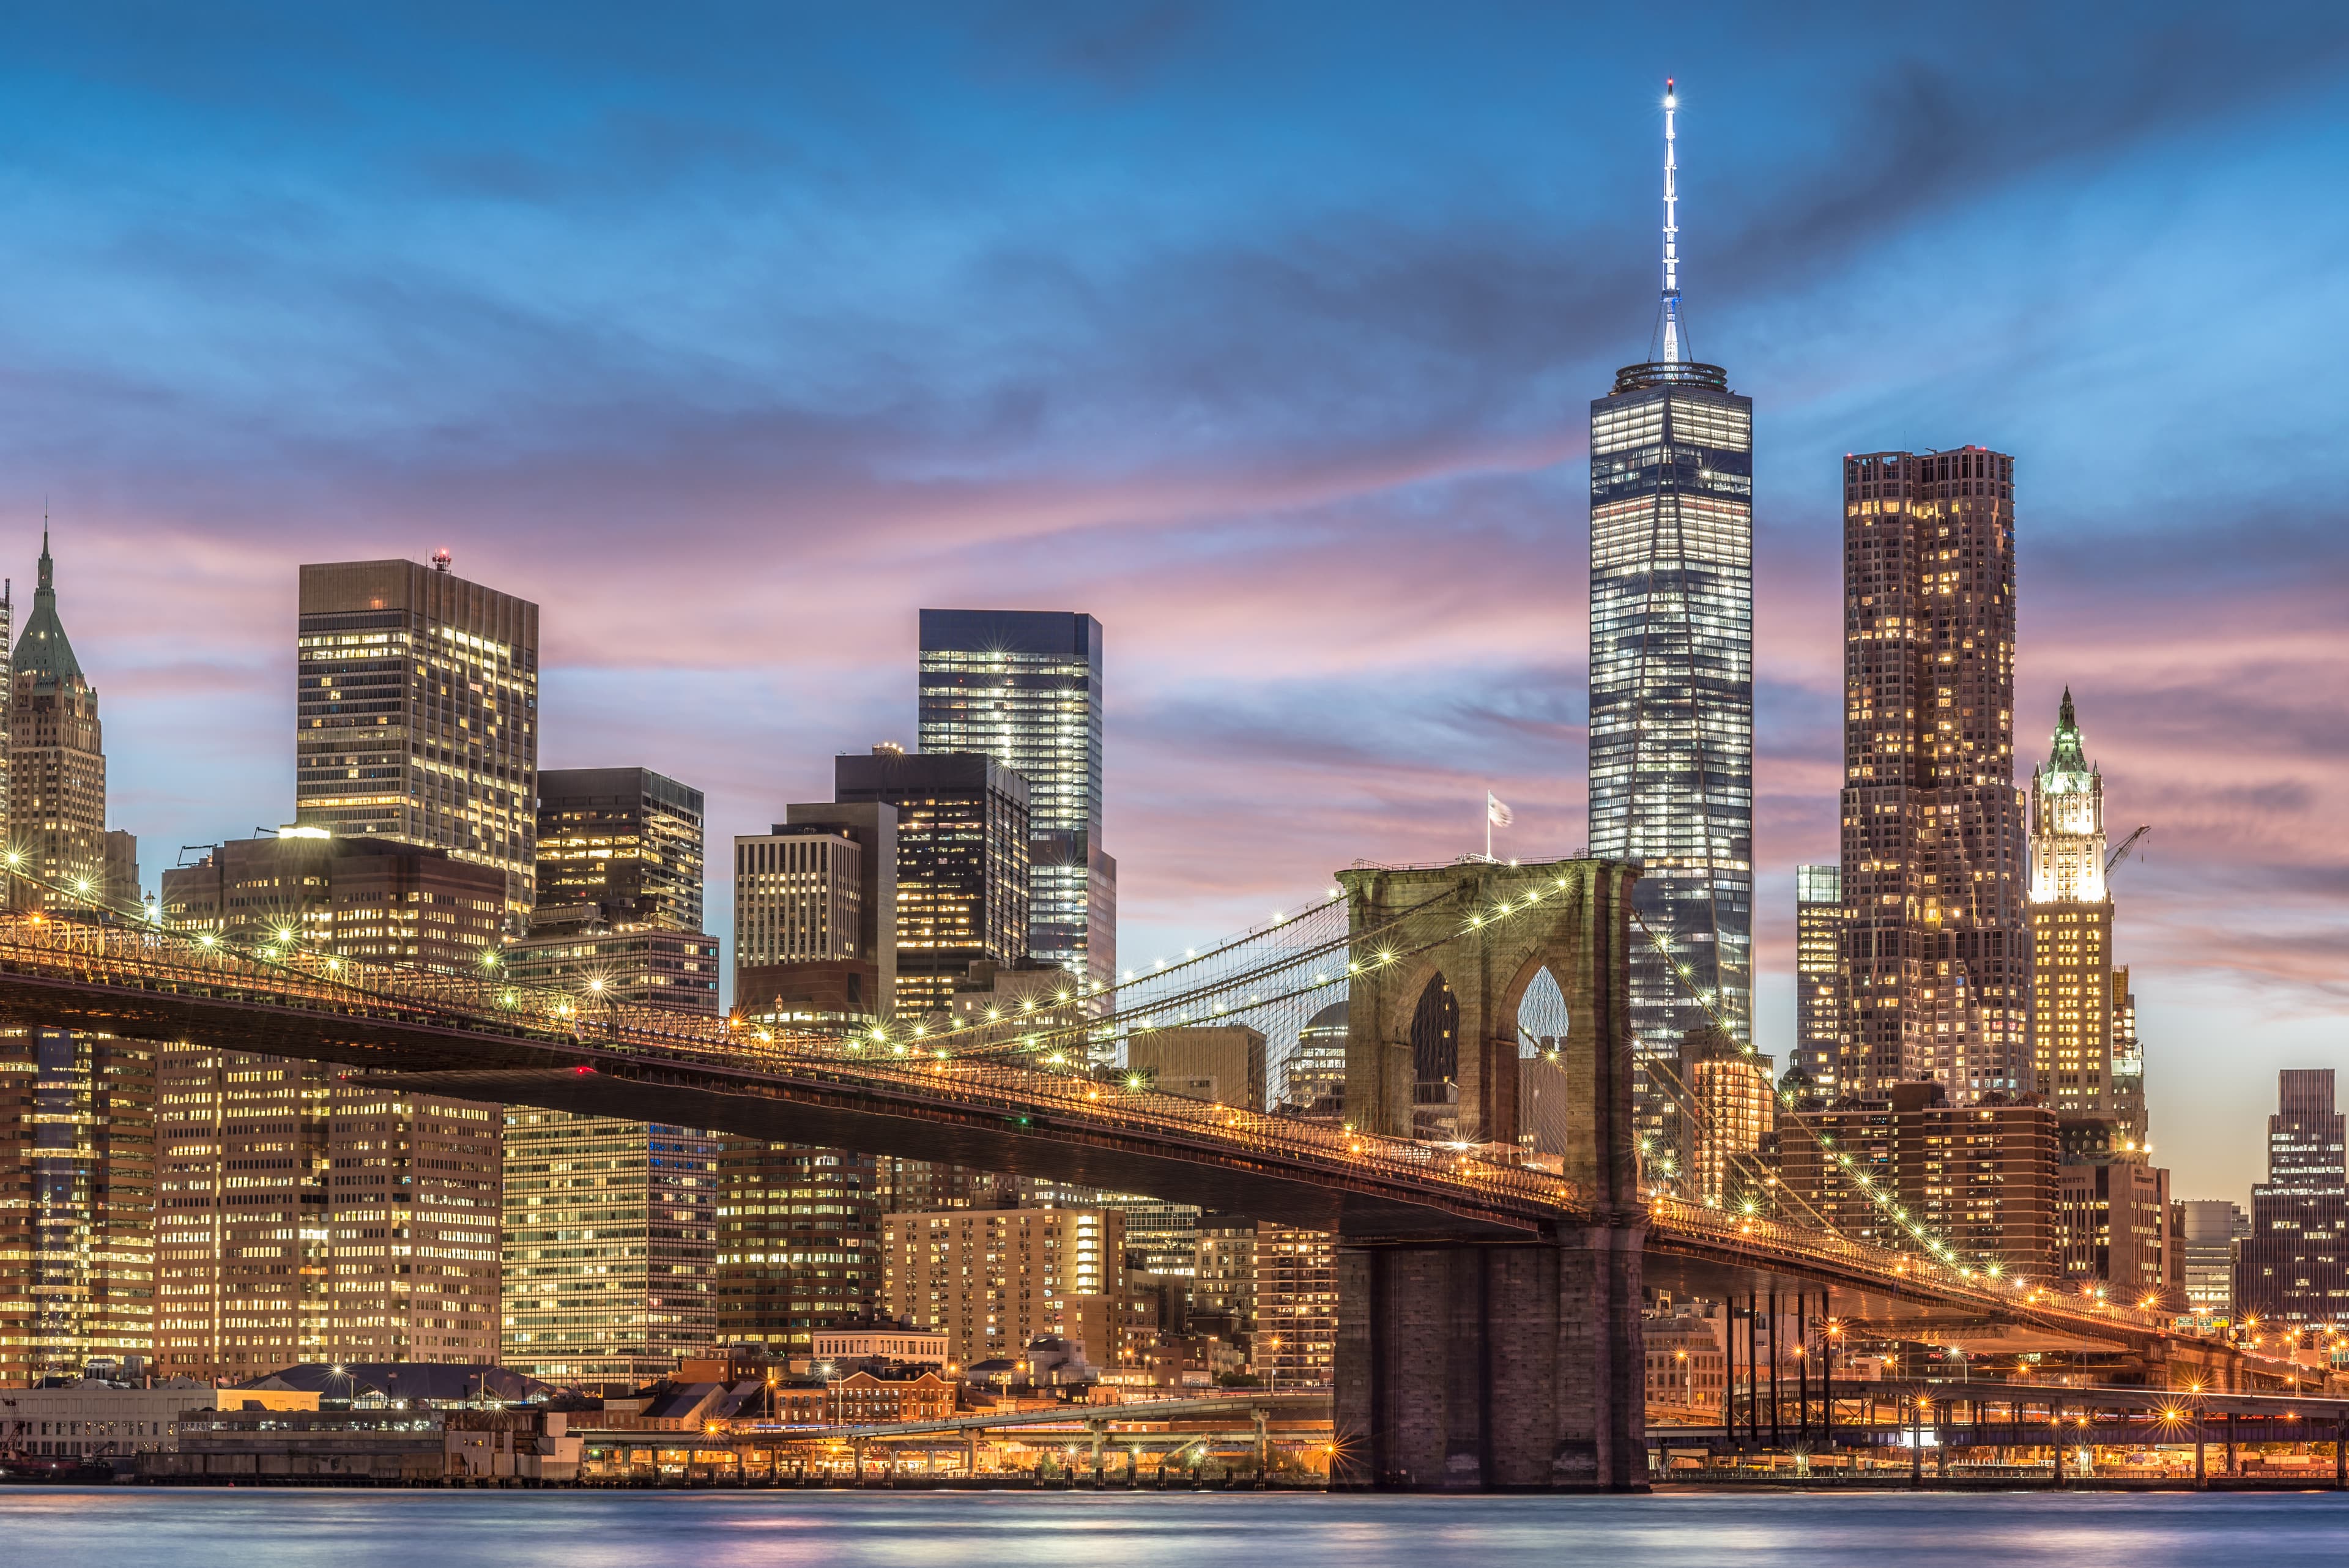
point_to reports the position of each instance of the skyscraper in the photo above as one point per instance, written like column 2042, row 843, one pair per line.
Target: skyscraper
column 57, row 759
column 1936, row 953
column 2071, row 932
column 1819, row 1000
column 1024, row 687
column 1671, row 671
column 627, row 840
column 78, row 1223
column 416, row 714
column 962, row 864
column 2294, row 1265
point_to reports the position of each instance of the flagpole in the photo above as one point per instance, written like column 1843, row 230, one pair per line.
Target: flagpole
column 1488, row 824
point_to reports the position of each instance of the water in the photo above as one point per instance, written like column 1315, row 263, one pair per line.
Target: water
column 123, row 1527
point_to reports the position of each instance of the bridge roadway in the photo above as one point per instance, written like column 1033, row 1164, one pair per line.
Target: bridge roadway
column 485, row 1038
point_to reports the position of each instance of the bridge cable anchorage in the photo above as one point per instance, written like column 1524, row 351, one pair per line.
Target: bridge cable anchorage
column 1937, row 1252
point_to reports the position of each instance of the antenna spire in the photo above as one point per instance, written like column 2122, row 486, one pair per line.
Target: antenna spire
column 1672, row 232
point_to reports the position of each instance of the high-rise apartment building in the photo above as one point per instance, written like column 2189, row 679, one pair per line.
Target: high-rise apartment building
column 302, row 1218
column 2071, row 932
column 1980, row 1177
column 1819, row 997
column 416, row 714
column 1671, row 674
column 1315, row 1078
column 1296, row 1339
column 991, row 1280
column 2294, row 1264
column 1723, row 1111
column 57, row 756
column 1024, row 687
column 962, row 858
column 76, row 1201
column 626, row 840
column 2111, row 1220
column 799, row 1242
column 1936, row 953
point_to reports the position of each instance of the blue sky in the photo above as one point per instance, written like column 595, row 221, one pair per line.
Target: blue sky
column 733, row 335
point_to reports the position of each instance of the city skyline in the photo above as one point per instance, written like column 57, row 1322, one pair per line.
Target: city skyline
column 1260, row 736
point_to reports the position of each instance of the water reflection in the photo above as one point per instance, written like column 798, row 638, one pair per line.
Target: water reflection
column 133, row 1528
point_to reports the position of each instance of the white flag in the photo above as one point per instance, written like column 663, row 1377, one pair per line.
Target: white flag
column 1498, row 814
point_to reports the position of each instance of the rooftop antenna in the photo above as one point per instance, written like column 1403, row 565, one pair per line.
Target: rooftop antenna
column 1672, row 232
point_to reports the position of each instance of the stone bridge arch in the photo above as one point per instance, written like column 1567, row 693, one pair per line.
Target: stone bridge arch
column 1571, row 917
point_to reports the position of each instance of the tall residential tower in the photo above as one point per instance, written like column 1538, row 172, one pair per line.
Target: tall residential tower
column 1672, row 670
column 1936, row 952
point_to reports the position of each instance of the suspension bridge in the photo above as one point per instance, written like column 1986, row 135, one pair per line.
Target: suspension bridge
column 1490, row 1299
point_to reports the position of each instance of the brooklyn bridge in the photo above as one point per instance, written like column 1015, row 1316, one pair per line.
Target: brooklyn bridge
column 1490, row 1312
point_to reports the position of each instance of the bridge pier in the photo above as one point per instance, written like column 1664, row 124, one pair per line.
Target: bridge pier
column 1492, row 1367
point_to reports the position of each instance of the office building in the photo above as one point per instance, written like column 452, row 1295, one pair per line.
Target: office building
column 610, row 1248
column 1024, row 687
column 1296, row 1340
column 1936, row 953
column 417, row 715
column 1819, row 999
column 2071, row 932
column 2128, row 1089
column 121, row 884
column 2112, row 1221
column 1220, row 1063
column 2294, row 1265
column 1980, row 1177
column 77, row 1225
column 962, row 857
column 2207, row 1228
column 1222, row 1279
column 56, row 758
column 991, row 1280
column 799, row 1242
column 301, row 1218
column 650, row 966
column 627, row 840
column 376, row 899
column 1315, row 1079
column 1671, row 674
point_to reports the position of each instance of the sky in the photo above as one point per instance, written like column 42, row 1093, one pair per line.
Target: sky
column 733, row 335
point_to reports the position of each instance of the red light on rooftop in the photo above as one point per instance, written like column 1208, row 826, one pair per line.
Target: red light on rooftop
column 583, row 1070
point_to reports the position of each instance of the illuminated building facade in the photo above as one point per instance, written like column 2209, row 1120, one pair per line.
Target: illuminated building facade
column 1936, row 954
column 991, row 1280
column 2207, row 1226
column 57, row 755
column 799, row 1242
column 2113, row 1219
column 1724, row 1111
column 370, row 898
column 1980, row 1177
column 1672, row 688
column 1315, row 1079
column 962, row 859
column 300, row 1218
column 2071, row 932
column 1024, row 687
column 77, row 1225
column 610, row 1268
column 417, row 715
column 2294, row 1265
column 1820, row 916
column 1296, row 1340
column 627, row 840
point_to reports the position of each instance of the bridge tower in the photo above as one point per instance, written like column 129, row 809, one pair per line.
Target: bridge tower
column 1494, row 1365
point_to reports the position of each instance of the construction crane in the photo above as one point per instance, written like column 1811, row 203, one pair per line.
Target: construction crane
column 2113, row 861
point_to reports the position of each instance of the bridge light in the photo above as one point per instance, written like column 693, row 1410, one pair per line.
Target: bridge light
column 208, row 939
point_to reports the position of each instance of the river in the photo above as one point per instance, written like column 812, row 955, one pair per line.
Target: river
column 136, row 1526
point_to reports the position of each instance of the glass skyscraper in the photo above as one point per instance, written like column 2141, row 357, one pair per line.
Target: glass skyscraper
column 1672, row 687
column 1024, row 687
